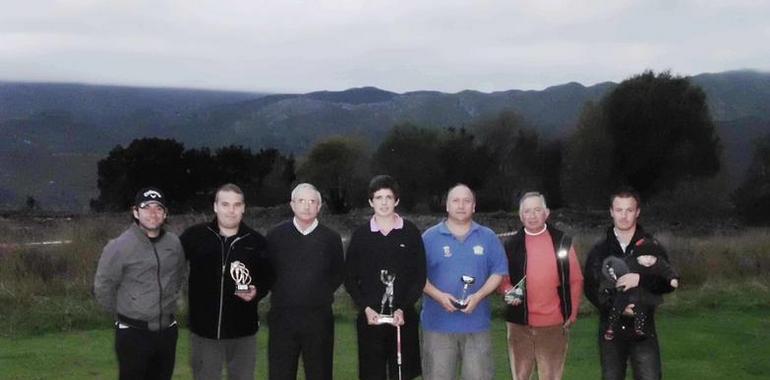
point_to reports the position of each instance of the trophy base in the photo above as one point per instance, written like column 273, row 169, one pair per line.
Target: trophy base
column 384, row 319
column 241, row 289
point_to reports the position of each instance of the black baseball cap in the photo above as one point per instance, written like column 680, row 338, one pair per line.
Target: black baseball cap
column 149, row 195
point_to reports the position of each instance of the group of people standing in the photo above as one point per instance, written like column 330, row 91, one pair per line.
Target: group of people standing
column 455, row 267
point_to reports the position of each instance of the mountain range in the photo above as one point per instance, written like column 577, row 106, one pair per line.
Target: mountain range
column 52, row 134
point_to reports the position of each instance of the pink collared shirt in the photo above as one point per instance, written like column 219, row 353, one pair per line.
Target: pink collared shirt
column 376, row 228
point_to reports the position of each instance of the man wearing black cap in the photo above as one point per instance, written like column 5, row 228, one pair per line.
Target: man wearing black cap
column 138, row 279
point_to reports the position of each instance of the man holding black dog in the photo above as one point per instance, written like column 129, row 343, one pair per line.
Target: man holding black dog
column 625, row 342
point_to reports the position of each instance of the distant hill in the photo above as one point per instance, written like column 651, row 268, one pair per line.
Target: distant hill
column 52, row 135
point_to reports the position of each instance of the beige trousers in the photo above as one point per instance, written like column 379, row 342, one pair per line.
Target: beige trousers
column 541, row 347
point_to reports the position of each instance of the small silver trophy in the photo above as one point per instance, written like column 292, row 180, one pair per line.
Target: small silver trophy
column 240, row 275
column 463, row 300
column 388, row 279
column 517, row 292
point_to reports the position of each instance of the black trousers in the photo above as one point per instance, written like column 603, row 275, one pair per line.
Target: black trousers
column 301, row 331
column 377, row 349
column 644, row 354
column 145, row 354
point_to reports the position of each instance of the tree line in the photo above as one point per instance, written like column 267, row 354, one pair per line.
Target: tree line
column 653, row 132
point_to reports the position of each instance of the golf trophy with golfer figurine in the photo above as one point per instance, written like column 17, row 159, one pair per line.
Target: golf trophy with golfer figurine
column 517, row 291
column 467, row 281
column 387, row 279
column 241, row 276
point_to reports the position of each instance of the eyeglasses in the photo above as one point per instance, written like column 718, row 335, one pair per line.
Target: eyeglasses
column 305, row 202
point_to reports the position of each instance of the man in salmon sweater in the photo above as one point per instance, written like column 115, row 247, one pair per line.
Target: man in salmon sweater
column 542, row 292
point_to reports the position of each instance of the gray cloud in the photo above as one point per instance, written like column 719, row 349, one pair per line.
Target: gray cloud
column 298, row 46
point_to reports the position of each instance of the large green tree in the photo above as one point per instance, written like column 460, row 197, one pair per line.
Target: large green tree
column 651, row 132
column 462, row 159
column 189, row 177
column 411, row 155
column 338, row 167
column 752, row 198
column 515, row 160
column 145, row 162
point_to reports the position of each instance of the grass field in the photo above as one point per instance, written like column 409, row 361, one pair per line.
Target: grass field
column 715, row 326
column 712, row 344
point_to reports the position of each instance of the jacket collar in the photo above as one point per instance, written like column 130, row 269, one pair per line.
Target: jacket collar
column 139, row 232
column 444, row 229
column 243, row 229
column 614, row 244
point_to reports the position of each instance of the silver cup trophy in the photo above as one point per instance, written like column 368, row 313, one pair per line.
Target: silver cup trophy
column 467, row 281
column 240, row 275
column 388, row 279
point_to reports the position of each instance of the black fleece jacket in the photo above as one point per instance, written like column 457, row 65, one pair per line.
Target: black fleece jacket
column 215, row 311
column 401, row 253
column 593, row 272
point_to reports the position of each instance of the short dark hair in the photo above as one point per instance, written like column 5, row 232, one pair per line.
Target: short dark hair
column 383, row 181
column 626, row 192
column 229, row 187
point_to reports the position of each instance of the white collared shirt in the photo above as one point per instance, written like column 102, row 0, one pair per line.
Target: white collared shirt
column 308, row 230
column 623, row 245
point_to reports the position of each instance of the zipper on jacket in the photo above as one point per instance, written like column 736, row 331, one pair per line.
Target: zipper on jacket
column 160, row 288
column 524, row 301
column 225, row 257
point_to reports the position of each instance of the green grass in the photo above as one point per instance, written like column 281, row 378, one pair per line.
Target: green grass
column 705, row 344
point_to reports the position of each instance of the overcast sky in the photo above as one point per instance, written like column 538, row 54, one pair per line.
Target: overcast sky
column 445, row 45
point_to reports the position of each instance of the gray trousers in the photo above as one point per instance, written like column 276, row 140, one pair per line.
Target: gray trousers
column 443, row 351
column 209, row 356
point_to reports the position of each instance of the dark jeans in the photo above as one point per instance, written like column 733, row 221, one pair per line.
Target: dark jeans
column 145, row 354
column 377, row 349
column 305, row 331
column 643, row 353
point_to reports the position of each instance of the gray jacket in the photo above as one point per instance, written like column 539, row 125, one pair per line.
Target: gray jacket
column 140, row 280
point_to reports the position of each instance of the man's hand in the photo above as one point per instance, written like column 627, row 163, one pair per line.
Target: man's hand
column 371, row 316
column 629, row 311
column 398, row 318
column 628, row 281
column 514, row 301
column 447, row 301
column 473, row 301
column 443, row 299
column 249, row 295
column 568, row 324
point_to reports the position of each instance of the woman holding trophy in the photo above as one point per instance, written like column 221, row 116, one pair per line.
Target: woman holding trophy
column 385, row 266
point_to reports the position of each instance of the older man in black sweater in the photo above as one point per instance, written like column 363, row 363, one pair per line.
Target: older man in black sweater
column 308, row 263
